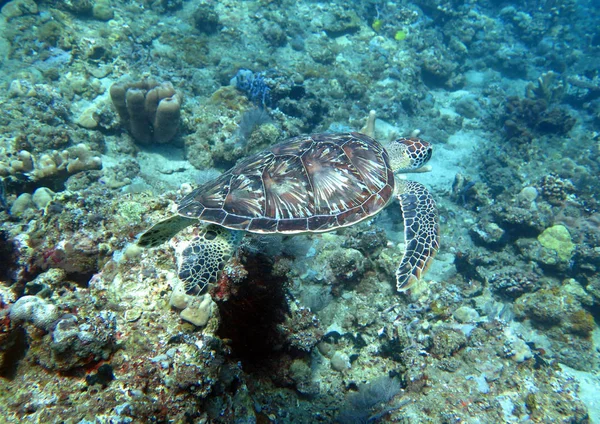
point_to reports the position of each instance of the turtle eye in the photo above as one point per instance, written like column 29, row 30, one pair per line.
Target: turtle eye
column 427, row 154
column 421, row 152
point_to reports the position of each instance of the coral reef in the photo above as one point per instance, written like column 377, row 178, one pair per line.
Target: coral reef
column 206, row 19
column 36, row 311
column 504, row 328
column 556, row 190
column 514, row 283
column 49, row 171
column 359, row 405
column 64, row 343
column 525, row 117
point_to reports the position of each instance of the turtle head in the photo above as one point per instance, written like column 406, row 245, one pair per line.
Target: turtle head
column 409, row 155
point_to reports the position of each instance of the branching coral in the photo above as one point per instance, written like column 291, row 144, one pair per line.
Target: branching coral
column 556, row 190
column 549, row 87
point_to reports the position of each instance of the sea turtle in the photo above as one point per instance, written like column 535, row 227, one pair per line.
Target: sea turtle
column 306, row 184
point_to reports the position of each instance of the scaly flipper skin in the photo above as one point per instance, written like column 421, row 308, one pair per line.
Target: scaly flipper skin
column 164, row 230
column 421, row 232
column 200, row 260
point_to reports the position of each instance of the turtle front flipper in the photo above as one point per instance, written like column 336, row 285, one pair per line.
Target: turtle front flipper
column 164, row 230
column 421, row 232
column 200, row 260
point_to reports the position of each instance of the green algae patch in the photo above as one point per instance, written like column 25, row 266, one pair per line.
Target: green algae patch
column 400, row 35
column 581, row 323
column 558, row 238
column 132, row 212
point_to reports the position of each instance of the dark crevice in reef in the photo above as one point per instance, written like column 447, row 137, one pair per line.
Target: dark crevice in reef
column 15, row 348
column 7, row 257
column 250, row 318
column 82, row 279
column 11, row 272
column 21, row 184
column 595, row 311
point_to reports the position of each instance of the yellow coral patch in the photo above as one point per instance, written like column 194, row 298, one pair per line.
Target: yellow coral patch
column 558, row 238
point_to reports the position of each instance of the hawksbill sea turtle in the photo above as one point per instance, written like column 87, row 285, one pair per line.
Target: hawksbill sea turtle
column 306, row 184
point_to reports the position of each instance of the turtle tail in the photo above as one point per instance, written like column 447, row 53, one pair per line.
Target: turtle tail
column 421, row 233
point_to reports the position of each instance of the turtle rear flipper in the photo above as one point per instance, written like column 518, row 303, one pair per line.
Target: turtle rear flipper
column 421, row 233
column 164, row 230
column 200, row 260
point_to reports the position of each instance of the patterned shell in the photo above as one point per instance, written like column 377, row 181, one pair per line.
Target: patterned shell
column 310, row 183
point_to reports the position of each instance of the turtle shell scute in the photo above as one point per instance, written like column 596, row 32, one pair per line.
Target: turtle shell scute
column 311, row 183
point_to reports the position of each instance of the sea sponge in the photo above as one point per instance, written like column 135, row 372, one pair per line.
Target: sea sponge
column 166, row 121
column 150, row 110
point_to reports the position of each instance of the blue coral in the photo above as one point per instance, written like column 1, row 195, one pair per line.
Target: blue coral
column 254, row 85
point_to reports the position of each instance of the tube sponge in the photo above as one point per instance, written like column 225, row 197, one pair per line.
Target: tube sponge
column 166, row 120
column 150, row 110
column 136, row 111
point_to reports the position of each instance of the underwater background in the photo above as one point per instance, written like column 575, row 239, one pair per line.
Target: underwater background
column 310, row 328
